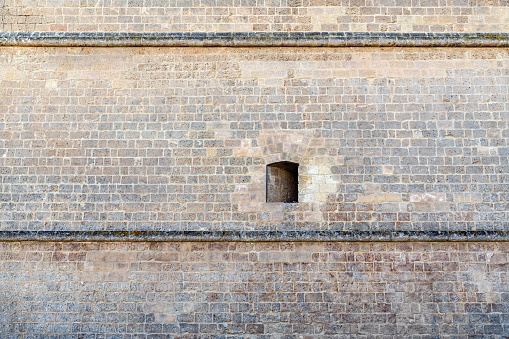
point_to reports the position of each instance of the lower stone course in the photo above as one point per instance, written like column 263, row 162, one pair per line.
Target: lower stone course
column 241, row 289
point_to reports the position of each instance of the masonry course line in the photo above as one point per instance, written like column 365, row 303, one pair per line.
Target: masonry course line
column 253, row 39
column 257, row 236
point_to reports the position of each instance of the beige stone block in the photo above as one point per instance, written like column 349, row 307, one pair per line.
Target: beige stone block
column 324, row 170
column 277, row 257
column 371, row 188
column 97, row 256
column 393, row 207
column 498, row 258
column 371, row 198
column 427, row 197
column 313, row 216
column 467, row 197
column 320, row 197
column 312, row 188
column 115, row 276
column 250, row 206
column 442, row 207
column 395, row 197
column 494, row 133
column 423, row 207
column 51, row 84
column 275, row 216
column 306, row 197
column 98, row 266
column 298, row 256
column 340, row 161
column 387, row 170
column 312, row 169
column 195, row 207
column 332, row 181
column 90, row 276
column 274, row 207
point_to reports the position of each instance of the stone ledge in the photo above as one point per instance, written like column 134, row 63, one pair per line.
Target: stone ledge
column 254, row 39
column 255, row 236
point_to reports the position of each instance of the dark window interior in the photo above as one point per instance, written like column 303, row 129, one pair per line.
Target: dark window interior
column 283, row 182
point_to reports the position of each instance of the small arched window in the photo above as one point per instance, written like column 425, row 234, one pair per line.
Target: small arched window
column 283, row 182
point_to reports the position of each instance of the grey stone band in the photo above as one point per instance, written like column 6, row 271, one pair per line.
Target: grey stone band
column 254, row 39
column 254, row 236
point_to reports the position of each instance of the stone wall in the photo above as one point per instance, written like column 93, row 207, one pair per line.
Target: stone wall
column 248, row 290
column 113, row 148
column 254, row 15
column 179, row 138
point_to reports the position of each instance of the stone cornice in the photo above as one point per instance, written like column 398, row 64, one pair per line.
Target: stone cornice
column 255, row 236
column 254, row 39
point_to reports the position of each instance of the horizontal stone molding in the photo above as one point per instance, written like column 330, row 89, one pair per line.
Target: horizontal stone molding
column 254, row 39
column 255, row 236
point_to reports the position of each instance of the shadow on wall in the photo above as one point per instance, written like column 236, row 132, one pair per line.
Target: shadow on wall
column 283, row 182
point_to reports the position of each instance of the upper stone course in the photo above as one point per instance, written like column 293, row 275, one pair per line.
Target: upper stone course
column 253, row 15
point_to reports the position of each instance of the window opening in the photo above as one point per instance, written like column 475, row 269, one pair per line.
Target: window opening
column 283, row 182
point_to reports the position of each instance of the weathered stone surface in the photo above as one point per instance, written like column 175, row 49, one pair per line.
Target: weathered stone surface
column 276, row 290
column 256, row 236
column 178, row 139
column 132, row 177
column 248, row 16
column 253, row 39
